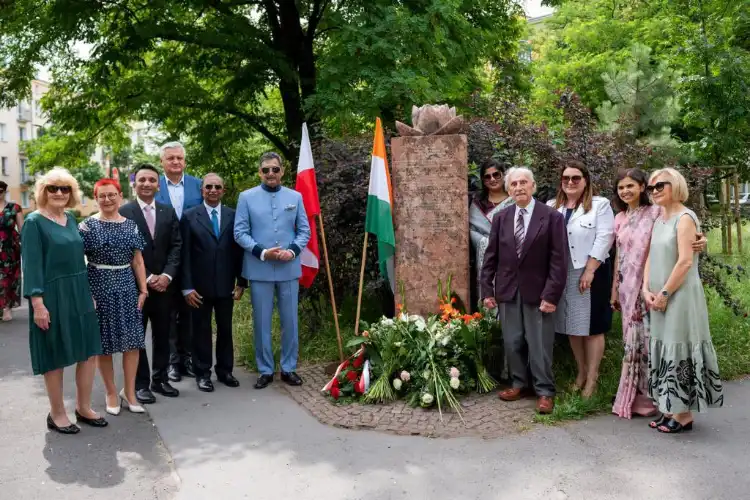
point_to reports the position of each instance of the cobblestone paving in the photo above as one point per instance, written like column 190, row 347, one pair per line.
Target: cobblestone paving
column 484, row 416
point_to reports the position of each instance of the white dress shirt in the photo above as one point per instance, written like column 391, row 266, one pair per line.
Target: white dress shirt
column 526, row 218
column 143, row 206
column 210, row 210
column 177, row 194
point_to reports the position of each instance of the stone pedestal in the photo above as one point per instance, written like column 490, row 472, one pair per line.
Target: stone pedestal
column 431, row 218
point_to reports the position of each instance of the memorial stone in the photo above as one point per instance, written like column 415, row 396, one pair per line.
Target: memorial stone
column 431, row 210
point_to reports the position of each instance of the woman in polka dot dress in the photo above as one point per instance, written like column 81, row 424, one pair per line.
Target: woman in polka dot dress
column 113, row 246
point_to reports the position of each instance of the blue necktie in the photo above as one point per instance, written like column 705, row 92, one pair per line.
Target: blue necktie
column 215, row 222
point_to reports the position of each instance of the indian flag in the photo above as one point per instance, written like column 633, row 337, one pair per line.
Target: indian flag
column 379, row 220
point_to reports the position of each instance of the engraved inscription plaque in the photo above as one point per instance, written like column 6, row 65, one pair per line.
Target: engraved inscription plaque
column 431, row 217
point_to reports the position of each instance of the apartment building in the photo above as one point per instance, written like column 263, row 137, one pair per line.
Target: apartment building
column 24, row 122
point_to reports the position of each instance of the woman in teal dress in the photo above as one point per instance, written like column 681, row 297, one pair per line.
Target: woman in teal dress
column 63, row 326
column 683, row 369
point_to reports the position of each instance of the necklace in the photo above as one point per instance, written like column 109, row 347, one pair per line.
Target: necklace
column 116, row 218
column 61, row 220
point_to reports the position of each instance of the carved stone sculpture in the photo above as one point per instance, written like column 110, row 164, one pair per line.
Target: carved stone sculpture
column 432, row 119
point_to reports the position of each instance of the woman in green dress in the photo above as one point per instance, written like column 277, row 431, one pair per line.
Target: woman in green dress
column 683, row 369
column 63, row 326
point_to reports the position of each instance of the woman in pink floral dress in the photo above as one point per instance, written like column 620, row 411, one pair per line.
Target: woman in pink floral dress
column 11, row 222
column 633, row 226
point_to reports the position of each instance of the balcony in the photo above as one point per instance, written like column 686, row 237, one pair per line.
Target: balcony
column 24, row 114
column 22, row 147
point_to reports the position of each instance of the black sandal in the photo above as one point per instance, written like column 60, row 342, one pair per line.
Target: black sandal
column 655, row 423
column 674, row 427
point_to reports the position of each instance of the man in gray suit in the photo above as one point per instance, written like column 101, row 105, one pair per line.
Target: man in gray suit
column 524, row 273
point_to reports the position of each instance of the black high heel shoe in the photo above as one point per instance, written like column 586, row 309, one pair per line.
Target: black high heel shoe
column 93, row 422
column 70, row 429
column 672, row 426
column 661, row 420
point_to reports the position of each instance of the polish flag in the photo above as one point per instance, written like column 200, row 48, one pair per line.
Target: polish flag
column 307, row 185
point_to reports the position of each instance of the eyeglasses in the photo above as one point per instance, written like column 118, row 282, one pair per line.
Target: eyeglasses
column 61, row 189
column 575, row 179
column 265, row 170
column 108, row 196
column 493, row 175
column 217, row 187
column 658, row 187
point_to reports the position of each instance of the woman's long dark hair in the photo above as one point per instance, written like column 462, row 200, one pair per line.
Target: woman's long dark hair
column 638, row 176
column 588, row 191
column 483, row 194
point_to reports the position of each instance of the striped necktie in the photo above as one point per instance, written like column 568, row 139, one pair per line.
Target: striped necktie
column 519, row 231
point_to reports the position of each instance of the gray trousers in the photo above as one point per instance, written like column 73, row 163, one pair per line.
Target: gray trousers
column 529, row 339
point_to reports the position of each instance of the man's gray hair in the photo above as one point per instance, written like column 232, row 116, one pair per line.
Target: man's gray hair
column 270, row 155
column 171, row 145
column 515, row 172
column 211, row 174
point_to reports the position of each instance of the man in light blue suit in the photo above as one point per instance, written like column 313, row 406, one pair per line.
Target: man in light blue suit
column 181, row 192
column 271, row 226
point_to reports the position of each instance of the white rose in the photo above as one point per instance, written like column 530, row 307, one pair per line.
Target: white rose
column 455, row 383
column 427, row 398
column 397, row 384
column 403, row 317
column 421, row 325
column 387, row 322
column 426, row 374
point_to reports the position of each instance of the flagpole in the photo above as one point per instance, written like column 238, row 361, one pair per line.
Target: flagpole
column 361, row 282
column 330, row 288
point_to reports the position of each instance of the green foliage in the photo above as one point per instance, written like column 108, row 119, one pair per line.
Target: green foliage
column 641, row 95
column 218, row 73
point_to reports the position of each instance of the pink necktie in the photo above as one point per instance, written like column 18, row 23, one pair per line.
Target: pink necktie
column 150, row 221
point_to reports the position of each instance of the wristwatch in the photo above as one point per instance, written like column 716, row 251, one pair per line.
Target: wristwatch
column 665, row 294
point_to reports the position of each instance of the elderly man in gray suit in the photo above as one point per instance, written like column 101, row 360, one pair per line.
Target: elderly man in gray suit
column 271, row 226
column 524, row 273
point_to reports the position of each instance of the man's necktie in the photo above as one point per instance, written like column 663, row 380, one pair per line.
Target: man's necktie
column 150, row 220
column 519, row 231
column 215, row 221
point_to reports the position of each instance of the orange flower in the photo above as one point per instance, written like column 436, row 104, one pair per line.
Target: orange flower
column 400, row 308
column 477, row 315
column 467, row 318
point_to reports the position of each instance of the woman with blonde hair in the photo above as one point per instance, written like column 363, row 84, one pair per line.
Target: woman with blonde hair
column 683, row 369
column 63, row 327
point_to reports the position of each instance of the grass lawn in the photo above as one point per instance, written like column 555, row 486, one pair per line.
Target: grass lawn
column 731, row 337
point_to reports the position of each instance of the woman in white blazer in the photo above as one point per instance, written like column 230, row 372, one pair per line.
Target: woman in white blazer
column 584, row 313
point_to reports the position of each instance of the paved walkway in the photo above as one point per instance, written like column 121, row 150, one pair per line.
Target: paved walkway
column 241, row 443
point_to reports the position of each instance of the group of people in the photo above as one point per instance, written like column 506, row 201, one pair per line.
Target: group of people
column 549, row 268
column 174, row 257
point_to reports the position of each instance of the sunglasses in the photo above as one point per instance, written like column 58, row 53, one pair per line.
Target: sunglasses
column 658, row 187
column 59, row 189
column 575, row 179
column 217, row 187
column 493, row 175
column 265, row 170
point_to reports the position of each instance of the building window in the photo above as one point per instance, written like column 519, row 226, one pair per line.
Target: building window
column 37, row 107
column 83, row 200
column 2, row 132
column 24, row 175
column 21, row 133
column 24, row 199
column 4, row 162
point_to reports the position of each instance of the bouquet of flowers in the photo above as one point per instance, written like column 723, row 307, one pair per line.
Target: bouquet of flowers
column 352, row 377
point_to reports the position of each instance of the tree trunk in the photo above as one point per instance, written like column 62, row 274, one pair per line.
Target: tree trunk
column 727, row 217
column 736, row 183
column 723, row 203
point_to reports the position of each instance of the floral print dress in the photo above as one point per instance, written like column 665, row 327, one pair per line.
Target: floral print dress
column 632, row 237
column 10, row 258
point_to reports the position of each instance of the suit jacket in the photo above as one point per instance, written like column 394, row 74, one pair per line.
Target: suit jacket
column 268, row 218
column 210, row 265
column 192, row 188
column 161, row 254
column 541, row 271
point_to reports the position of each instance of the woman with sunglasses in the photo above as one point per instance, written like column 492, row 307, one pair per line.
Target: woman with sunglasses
column 584, row 314
column 11, row 223
column 117, row 276
column 64, row 329
column 633, row 226
column 489, row 200
column 683, row 369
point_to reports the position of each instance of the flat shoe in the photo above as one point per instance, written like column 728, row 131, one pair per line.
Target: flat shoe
column 672, row 426
column 70, row 429
column 93, row 422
